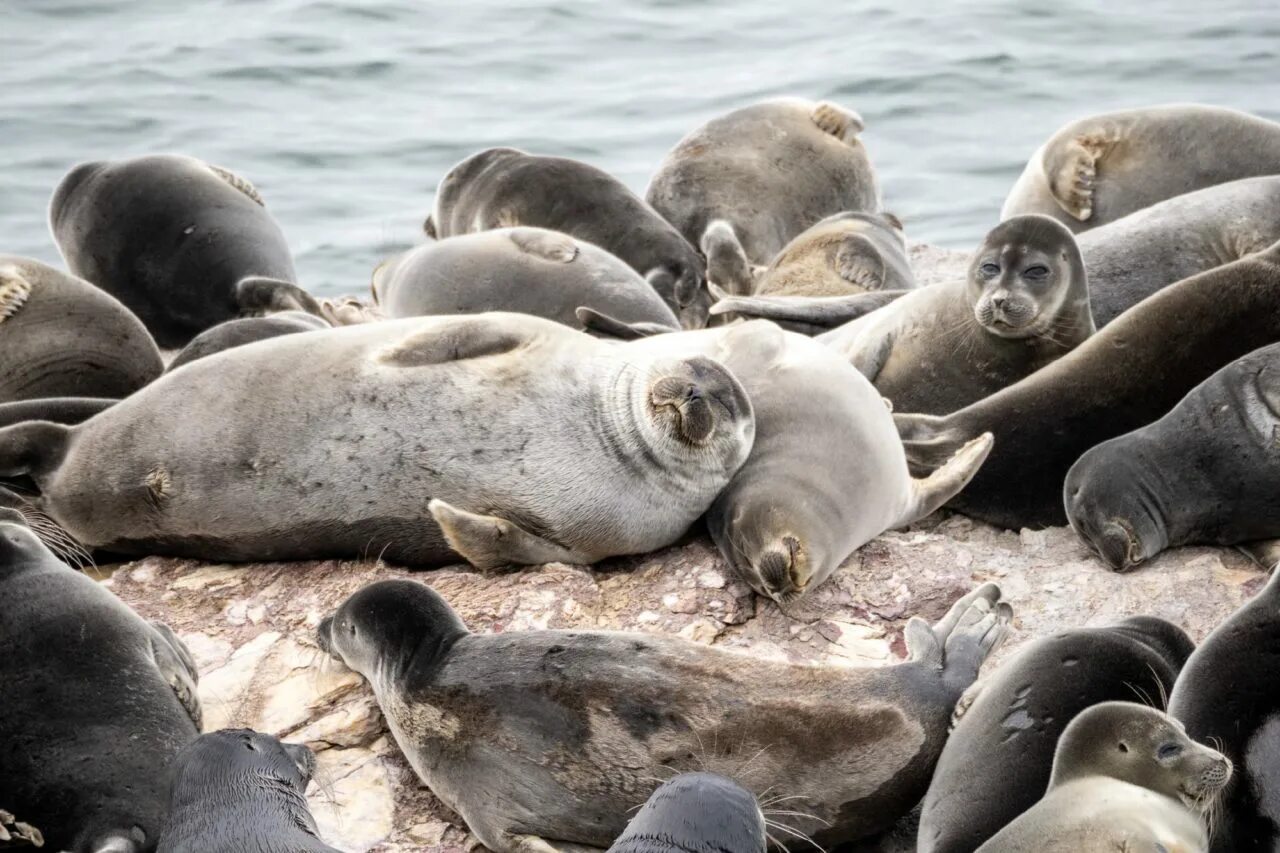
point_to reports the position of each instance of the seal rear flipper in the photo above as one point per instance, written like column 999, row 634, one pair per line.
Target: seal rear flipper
column 824, row 312
column 257, row 295
column 490, row 542
column 842, row 123
column 32, row 448
column 727, row 264
column 969, row 633
column 1071, row 169
column 931, row 492
column 178, row 669
column 349, row 311
column 548, row 245
column 15, row 833
column 603, row 324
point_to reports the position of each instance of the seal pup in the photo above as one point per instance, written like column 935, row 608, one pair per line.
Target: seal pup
column 998, row 759
column 185, row 245
column 1204, row 474
column 1226, row 696
column 769, row 170
column 1095, row 170
column 62, row 337
column 246, row 330
column 1124, row 377
column 695, row 813
column 92, row 713
column 503, row 438
column 544, row 738
column 236, row 790
column 1125, row 777
column 527, row 270
column 506, row 187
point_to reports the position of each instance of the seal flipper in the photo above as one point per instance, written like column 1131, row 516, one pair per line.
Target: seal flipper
column 238, row 182
column 931, row 492
column 603, row 324
column 825, row 312
column 348, row 311
column 548, row 245
column 474, row 337
column 1071, row 169
column 959, row 643
column 842, row 123
column 727, row 264
column 869, row 361
column 860, row 263
column 178, row 669
column 490, row 542
column 536, row 844
column 256, row 295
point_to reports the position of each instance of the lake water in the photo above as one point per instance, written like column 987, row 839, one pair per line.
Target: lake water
column 346, row 114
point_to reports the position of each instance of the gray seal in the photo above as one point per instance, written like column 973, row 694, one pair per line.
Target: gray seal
column 236, row 790
column 544, row 738
column 62, row 337
column 97, row 702
column 1098, row 169
column 999, row 757
column 502, row 438
column 246, row 330
column 506, row 187
column 696, row 813
column 185, row 245
column 1125, row 777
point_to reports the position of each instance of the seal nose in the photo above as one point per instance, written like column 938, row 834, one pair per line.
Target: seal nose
column 997, row 302
column 1117, row 546
column 779, row 570
column 324, row 635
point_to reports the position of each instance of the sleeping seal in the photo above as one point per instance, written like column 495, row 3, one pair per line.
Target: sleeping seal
column 1125, row 777
column 503, row 438
column 1098, row 169
column 544, row 738
column 695, row 813
column 96, row 704
column 184, row 245
column 246, row 330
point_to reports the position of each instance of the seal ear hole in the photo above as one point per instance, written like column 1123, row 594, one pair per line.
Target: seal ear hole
column 1124, row 747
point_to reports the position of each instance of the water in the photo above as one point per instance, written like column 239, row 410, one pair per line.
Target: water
column 346, row 113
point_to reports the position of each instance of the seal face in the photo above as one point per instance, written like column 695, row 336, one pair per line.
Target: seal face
column 1012, row 720
column 568, row 730
column 238, row 789
column 695, row 812
column 91, row 717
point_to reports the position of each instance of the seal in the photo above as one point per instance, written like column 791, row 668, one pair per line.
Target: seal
column 1095, row 170
column 538, row 735
column 998, row 759
column 1204, row 474
column 91, row 717
column 62, row 337
column 246, row 330
column 1125, row 777
column 1226, row 696
column 502, row 438
column 693, row 813
column 506, row 187
column 183, row 244
column 804, row 158
column 526, row 270
column 1124, row 377
column 236, row 790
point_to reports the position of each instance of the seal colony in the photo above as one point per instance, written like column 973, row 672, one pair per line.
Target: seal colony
column 547, row 380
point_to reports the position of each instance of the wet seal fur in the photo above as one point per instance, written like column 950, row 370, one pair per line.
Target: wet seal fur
column 1125, row 777
column 236, row 790
column 183, row 244
column 62, row 337
column 999, row 757
column 503, row 438
column 96, row 703
column 506, row 187
column 540, row 739
column 696, row 813
column 1098, row 169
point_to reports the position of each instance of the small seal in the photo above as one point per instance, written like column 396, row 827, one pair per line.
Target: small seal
column 236, row 790
column 539, row 735
column 696, row 813
column 246, row 330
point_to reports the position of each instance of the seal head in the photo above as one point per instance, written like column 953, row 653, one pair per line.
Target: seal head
column 696, row 812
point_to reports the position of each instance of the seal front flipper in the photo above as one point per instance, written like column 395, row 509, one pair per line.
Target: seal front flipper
column 349, row 311
column 241, row 184
column 256, row 295
column 959, row 643
column 825, row 312
column 869, row 361
column 860, row 263
column 475, row 337
column 842, row 123
column 1071, row 169
column 549, row 245
column 603, row 324
column 931, row 492
column 489, row 542
column 178, row 668
column 727, row 264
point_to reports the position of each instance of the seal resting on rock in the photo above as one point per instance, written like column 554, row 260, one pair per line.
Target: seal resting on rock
column 694, row 813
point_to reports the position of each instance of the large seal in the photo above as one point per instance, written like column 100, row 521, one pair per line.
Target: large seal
column 96, row 704
column 62, row 337
column 770, row 170
column 1125, row 777
column 695, row 813
column 183, row 244
column 541, row 735
column 1204, row 474
column 527, row 270
column 1226, row 695
column 501, row 437
column 237, row 790
column 1098, row 169
column 998, row 759
column 506, row 187
column 246, row 330
column 1124, row 377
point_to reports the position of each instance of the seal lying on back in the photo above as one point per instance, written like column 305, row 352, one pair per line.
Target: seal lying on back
column 1226, row 695
column 247, row 330
column 999, row 757
column 183, row 244
column 524, row 440
column 1098, row 169
column 545, row 738
column 1124, row 377
column 1125, row 777
column 694, row 813
column 1204, row 474
column 238, row 790
column 527, row 270
column 62, row 337
column 506, row 187
column 96, row 704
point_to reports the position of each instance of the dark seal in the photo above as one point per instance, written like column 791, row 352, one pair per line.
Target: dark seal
column 246, row 330
column 696, row 813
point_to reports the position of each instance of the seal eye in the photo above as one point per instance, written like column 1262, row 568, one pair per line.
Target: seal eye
column 1036, row 273
column 353, row 629
column 989, row 269
column 1168, row 751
